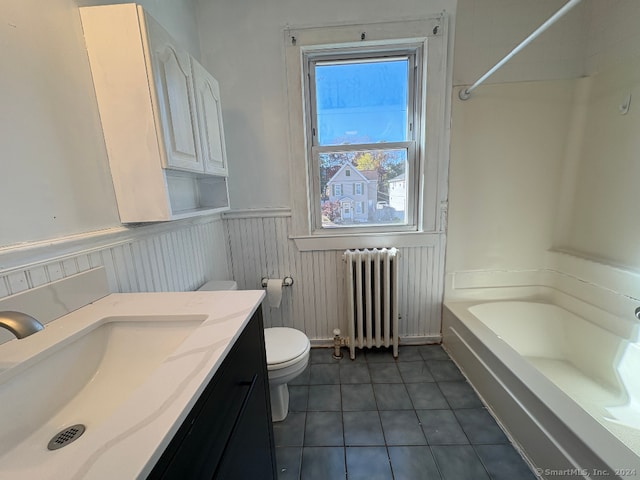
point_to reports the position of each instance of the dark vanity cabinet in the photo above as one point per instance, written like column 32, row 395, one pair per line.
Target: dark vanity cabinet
column 228, row 434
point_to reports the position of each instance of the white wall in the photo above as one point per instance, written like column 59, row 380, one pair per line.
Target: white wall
column 601, row 203
column 548, row 164
column 508, row 140
column 487, row 30
column 613, row 34
column 55, row 178
column 242, row 43
column 507, row 151
column 176, row 16
column 59, row 214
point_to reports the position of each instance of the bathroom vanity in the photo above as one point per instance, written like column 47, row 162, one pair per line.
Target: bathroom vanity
column 168, row 385
column 228, row 433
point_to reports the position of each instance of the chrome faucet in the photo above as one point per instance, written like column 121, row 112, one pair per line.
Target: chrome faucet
column 20, row 324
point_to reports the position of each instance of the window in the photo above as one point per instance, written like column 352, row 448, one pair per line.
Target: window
column 337, row 189
column 368, row 109
column 361, row 124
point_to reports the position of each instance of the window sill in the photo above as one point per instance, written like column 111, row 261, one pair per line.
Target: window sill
column 366, row 240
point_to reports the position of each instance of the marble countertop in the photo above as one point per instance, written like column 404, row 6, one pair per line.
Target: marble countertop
column 127, row 444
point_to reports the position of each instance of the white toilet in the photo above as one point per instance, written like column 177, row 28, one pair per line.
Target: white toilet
column 287, row 356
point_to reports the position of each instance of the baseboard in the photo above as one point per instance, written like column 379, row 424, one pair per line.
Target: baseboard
column 409, row 340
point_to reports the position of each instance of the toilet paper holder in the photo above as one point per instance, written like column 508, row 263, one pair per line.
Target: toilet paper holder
column 286, row 282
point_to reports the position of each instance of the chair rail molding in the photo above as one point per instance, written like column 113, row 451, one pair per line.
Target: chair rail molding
column 173, row 256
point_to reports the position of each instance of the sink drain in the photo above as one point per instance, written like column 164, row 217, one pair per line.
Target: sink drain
column 66, row 436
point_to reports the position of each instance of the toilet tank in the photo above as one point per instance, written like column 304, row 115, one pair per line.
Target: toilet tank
column 219, row 285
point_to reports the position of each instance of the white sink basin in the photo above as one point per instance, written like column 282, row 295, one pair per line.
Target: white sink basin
column 130, row 367
column 80, row 379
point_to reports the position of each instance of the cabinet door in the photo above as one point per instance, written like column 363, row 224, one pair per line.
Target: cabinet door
column 173, row 88
column 249, row 440
column 207, row 93
column 228, row 434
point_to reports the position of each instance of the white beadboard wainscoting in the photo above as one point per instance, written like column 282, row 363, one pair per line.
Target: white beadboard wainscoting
column 174, row 256
column 260, row 247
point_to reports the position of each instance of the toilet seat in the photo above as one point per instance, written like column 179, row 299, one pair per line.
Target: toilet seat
column 285, row 346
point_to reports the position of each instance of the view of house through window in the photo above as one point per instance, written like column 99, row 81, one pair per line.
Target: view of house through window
column 362, row 137
column 362, row 187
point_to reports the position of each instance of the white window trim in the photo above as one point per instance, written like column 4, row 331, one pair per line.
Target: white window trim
column 413, row 52
column 434, row 110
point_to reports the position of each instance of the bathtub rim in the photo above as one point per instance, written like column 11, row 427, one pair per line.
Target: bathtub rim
column 575, row 427
column 620, row 320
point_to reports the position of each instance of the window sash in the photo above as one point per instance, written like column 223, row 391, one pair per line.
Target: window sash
column 357, row 147
column 412, row 185
column 416, row 89
column 411, row 54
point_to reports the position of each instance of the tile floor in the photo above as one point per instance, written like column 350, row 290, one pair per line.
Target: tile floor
column 376, row 418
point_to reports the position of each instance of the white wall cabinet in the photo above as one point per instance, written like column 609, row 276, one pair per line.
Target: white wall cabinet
column 173, row 83
column 161, row 117
column 209, row 112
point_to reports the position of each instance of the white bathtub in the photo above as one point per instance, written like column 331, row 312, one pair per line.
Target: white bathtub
column 566, row 390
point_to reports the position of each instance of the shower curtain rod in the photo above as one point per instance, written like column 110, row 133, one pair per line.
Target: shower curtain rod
column 465, row 93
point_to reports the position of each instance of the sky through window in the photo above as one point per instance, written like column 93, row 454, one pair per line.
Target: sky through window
column 361, row 102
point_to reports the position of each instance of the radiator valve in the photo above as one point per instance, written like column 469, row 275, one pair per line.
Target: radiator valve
column 337, row 342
